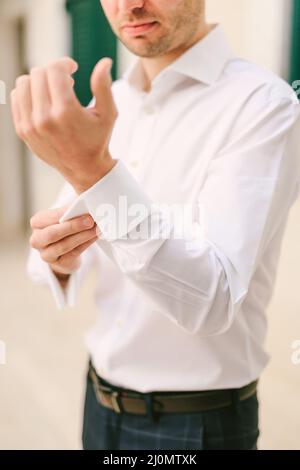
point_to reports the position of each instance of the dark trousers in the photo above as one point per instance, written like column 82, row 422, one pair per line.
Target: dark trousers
column 232, row 427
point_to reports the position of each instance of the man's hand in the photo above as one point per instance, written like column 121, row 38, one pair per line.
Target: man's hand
column 50, row 120
column 61, row 244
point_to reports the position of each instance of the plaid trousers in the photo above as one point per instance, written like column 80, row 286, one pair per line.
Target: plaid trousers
column 231, row 427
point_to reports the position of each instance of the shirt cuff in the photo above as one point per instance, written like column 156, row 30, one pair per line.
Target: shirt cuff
column 63, row 297
column 116, row 203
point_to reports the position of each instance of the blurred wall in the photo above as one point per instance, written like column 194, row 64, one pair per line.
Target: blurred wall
column 258, row 29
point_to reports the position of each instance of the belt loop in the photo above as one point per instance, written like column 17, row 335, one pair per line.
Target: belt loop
column 116, row 401
column 152, row 414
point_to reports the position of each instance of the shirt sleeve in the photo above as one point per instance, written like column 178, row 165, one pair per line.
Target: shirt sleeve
column 40, row 272
column 199, row 274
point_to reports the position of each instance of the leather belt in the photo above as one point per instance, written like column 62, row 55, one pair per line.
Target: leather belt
column 127, row 401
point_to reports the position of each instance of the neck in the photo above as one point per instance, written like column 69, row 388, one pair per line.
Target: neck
column 154, row 65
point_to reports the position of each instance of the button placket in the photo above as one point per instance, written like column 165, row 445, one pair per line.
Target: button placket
column 141, row 143
column 148, row 109
column 134, row 163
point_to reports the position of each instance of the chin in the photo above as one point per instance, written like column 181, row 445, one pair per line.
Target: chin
column 140, row 51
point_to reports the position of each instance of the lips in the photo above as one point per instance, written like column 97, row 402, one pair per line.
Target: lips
column 142, row 28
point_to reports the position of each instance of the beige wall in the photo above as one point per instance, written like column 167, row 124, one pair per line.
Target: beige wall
column 258, row 29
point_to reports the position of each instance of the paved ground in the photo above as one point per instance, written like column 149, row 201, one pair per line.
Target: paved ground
column 42, row 384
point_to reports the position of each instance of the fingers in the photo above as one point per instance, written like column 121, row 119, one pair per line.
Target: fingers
column 70, row 262
column 101, row 86
column 41, row 100
column 81, row 248
column 45, row 88
column 15, row 110
column 47, row 217
column 41, row 238
column 23, row 94
column 66, row 265
column 67, row 64
column 52, row 253
column 60, row 88
column 101, row 74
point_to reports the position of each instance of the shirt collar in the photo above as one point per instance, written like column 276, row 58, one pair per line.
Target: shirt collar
column 204, row 61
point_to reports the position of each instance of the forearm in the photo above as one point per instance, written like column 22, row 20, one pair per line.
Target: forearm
column 185, row 282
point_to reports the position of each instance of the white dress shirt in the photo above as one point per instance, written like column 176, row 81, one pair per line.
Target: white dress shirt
column 189, row 313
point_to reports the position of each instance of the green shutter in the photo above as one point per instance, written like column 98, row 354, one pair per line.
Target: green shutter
column 92, row 39
column 295, row 46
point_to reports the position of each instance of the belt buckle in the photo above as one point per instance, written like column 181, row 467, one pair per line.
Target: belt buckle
column 115, row 400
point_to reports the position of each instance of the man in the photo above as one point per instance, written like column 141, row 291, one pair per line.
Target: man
column 178, row 346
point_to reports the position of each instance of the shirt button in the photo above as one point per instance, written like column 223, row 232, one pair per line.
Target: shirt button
column 148, row 109
column 119, row 322
column 134, row 163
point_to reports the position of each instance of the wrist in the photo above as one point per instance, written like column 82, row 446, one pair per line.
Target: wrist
column 84, row 181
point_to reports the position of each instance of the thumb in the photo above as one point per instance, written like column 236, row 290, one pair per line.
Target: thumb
column 101, row 84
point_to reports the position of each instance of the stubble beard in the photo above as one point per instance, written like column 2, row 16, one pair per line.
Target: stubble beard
column 181, row 30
